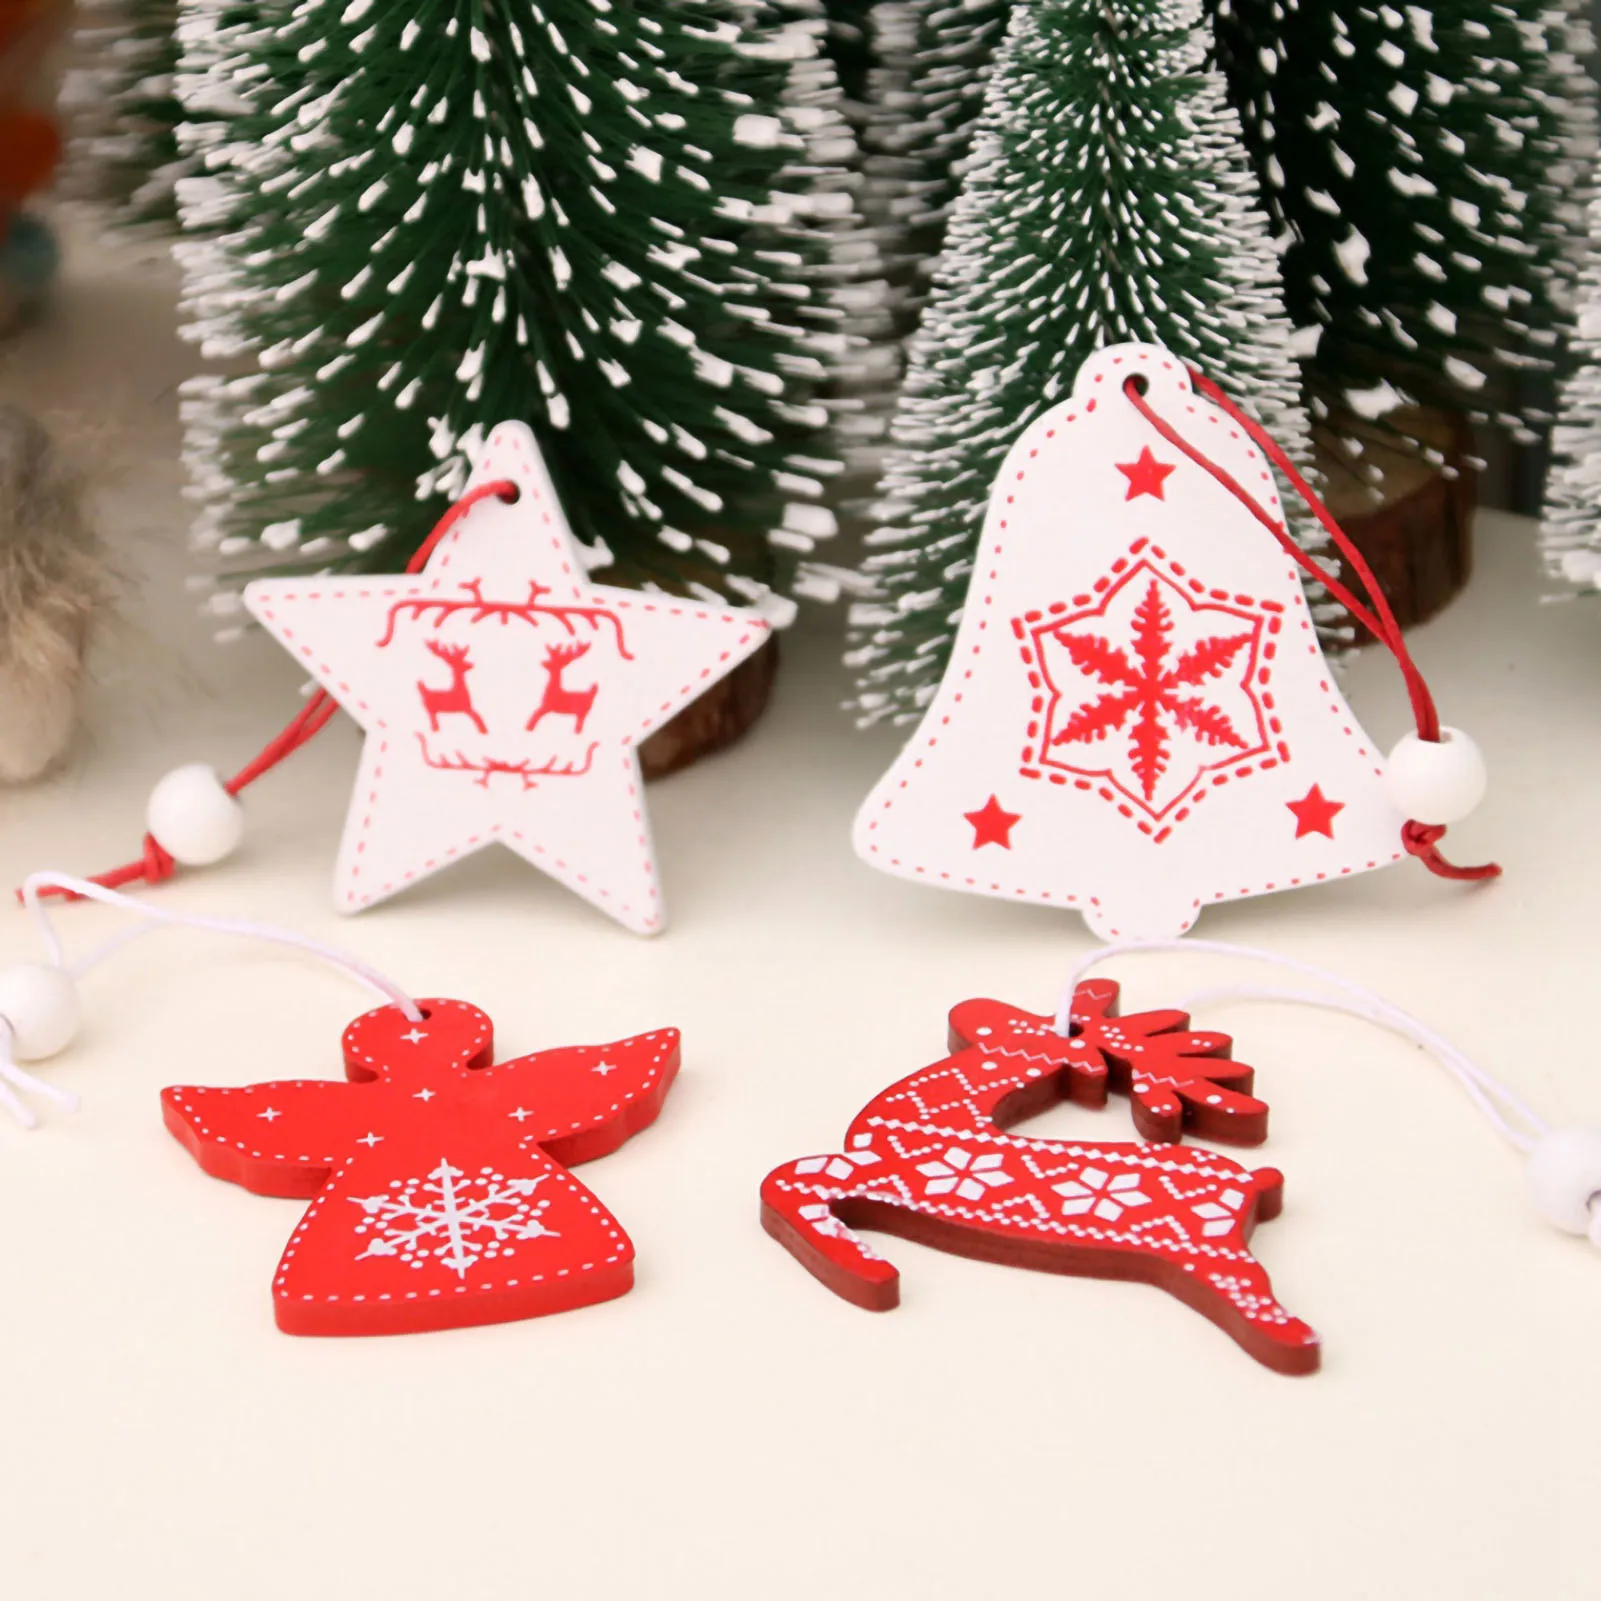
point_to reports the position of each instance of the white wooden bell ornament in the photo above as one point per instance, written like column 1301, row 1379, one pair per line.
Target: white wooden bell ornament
column 1137, row 720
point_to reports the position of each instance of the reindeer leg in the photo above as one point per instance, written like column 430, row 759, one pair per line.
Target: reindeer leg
column 1238, row 1297
column 798, row 1201
column 1236, row 1293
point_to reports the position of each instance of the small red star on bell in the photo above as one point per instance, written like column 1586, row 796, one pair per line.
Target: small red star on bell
column 993, row 824
column 1146, row 475
column 1315, row 813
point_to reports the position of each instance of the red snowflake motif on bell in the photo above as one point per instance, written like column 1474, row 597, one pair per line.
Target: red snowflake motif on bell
column 1152, row 690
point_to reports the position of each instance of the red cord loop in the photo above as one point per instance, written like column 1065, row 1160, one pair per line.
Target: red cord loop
column 1419, row 839
column 155, row 864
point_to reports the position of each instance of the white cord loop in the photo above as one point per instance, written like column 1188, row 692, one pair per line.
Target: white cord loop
column 1566, row 1164
column 13, row 1078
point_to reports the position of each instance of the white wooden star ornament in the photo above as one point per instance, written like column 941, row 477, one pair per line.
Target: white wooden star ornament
column 504, row 697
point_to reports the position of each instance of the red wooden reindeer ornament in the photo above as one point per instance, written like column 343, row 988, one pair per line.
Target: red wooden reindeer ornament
column 438, row 1183
column 929, row 1159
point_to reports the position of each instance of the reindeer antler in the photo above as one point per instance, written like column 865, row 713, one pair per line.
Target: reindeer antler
column 486, row 768
column 567, row 653
column 456, row 655
column 531, row 611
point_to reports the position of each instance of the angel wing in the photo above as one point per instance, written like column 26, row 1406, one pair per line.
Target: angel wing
column 584, row 1101
column 281, row 1138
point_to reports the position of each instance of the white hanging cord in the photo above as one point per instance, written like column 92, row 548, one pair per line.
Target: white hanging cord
column 37, row 882
column 1504, row 1109
column 1497, row 1101
column 1564, row 1164
column 13, row 1078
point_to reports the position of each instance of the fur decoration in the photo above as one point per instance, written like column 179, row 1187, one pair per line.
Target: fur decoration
column 53, row 582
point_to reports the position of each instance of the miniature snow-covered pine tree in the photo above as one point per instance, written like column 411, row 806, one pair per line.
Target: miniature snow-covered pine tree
column 1109, row 199
column 936, row 60
column 1571, row 533
column 605, row 221
column 850, row 43
column 1425, row 165
column 125, row 110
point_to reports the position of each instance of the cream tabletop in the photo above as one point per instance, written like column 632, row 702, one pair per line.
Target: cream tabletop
column 730, row 1431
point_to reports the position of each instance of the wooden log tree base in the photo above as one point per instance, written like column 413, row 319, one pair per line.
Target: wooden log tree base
column 1417, row 535
column 722, row 715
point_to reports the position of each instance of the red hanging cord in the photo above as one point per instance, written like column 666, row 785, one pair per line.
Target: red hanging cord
column 155, row 864
column 1420, row 839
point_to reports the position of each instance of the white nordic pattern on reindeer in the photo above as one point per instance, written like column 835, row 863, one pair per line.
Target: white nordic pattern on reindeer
column 961, row 1173
column 453, row 1219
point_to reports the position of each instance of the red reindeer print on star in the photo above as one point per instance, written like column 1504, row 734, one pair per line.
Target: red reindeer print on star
column 507, row 756
column 559, row 700
column 930, row 1159
column 438, row 1180
column 455, row 698
column 533, row 610
column 553, row 773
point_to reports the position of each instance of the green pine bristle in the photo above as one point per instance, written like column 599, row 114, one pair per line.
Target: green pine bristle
column 1108, row 198
column 513, row 243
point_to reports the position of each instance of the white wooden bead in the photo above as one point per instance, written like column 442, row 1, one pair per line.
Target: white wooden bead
column 193, row 817
column 1564, row 1172
column 41, row 1006
column 1437, row 781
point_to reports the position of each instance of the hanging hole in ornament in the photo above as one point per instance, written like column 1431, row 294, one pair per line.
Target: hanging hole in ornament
column 510, row 494
column 1136, row 384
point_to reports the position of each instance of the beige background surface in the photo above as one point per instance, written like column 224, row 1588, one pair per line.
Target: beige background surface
column 730, row 1430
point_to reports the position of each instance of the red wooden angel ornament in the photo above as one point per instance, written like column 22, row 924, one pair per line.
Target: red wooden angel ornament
column 930, row 1159
column 437, row 1178
column 1137, row 719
